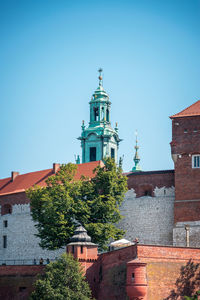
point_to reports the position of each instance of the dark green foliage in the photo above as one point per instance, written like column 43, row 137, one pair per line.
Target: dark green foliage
column 92, row 202
column 195, row 297
column 63, row 279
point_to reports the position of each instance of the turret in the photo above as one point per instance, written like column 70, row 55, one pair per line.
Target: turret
column 81, row 247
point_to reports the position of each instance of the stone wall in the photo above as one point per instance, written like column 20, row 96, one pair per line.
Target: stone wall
column 22, row 244
column 149, row 218
column 179, row 234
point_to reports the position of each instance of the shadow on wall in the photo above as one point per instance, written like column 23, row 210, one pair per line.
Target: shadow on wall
column 187, row 283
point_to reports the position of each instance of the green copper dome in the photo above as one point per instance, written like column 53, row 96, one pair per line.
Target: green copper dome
column 99, row 139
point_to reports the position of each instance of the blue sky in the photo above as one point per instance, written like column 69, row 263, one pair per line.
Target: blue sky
column 49, row 56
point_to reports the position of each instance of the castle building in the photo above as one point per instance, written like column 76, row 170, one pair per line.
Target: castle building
column 160, row 207
column 161, row 210
column 99, row 140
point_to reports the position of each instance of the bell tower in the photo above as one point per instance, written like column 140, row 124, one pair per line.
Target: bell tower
column 99, row 140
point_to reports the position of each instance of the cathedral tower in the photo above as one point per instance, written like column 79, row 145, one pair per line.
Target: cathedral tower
column 99, row 140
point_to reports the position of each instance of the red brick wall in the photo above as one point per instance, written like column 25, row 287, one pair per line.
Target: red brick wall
column 164, row 266
column 111, row 274
column 185, row 143
column 14, row 277
column 147, row 181
column 16, row 198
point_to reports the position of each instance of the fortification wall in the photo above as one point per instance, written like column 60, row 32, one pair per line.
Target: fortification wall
column 150, row 219
column 179, row 234
column 21, row 244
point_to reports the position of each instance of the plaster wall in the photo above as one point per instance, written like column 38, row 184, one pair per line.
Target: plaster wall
column 149, row 218
column 22, row 244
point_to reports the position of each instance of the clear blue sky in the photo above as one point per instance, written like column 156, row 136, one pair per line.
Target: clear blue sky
column 49, row 55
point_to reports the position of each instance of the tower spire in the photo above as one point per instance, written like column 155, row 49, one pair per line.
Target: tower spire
column 136, row 159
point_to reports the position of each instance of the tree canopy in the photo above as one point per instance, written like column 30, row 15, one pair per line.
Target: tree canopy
column 94, row 203
column 62, row 279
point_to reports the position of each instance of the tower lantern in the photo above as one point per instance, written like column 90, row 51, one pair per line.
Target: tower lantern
column 99, row 140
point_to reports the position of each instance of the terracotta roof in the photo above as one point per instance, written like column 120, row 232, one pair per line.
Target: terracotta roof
column 192, row 110
column 25, row 181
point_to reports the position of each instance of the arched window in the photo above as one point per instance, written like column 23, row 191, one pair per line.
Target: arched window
column 107, row 115
column 102, row 113
column 96, row 113
column 6, row 209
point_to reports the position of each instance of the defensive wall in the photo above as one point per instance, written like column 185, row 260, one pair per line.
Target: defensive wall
column 107, row 275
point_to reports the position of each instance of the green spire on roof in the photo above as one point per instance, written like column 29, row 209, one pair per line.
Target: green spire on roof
column 136, row 159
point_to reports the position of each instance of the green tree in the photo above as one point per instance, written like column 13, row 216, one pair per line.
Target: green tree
column 195, row 297
column 62, row 279
column 93, row 202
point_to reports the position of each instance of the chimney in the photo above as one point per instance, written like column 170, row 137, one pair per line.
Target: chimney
column 14, row 175
column 55, row 167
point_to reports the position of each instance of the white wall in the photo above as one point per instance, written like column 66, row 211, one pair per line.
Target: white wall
column 149, row 218
column 21, row 241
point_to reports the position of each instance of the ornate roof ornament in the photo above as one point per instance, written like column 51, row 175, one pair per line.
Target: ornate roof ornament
column 136, row 159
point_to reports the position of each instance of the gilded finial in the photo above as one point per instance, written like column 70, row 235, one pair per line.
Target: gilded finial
column 100, row 76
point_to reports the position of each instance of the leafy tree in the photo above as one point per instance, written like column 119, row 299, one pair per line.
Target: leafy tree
column 195, row 297
column 62, row 279
column 94, row 203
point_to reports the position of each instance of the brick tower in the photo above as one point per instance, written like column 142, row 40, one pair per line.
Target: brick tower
column 82, row 248
column 185, row 149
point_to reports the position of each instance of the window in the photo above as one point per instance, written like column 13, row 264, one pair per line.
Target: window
column 81, row 249
column 5, row 241
column 132, row 276
column 196, row 161
column 96, row 113
column 5, row 223
column 147, row 193
column 22, row 288
column 92, row 153
column 112, row 153
column 107, row 115
column 73, row 249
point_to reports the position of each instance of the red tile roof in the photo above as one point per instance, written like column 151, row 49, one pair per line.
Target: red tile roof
column 192, row 110
column 25, row 181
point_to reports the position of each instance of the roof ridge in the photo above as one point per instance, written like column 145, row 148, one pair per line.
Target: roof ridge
column 181, row 113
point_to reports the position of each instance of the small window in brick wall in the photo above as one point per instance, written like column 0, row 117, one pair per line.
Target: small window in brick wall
column 147, row 193
column 22, row 288
column 196, row 161
column 5, row 223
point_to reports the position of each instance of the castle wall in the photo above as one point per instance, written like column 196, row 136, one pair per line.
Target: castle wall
column 171, row 274
column 179, row 234
column 150, row 219
column 22, row 244
column 16, row 282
